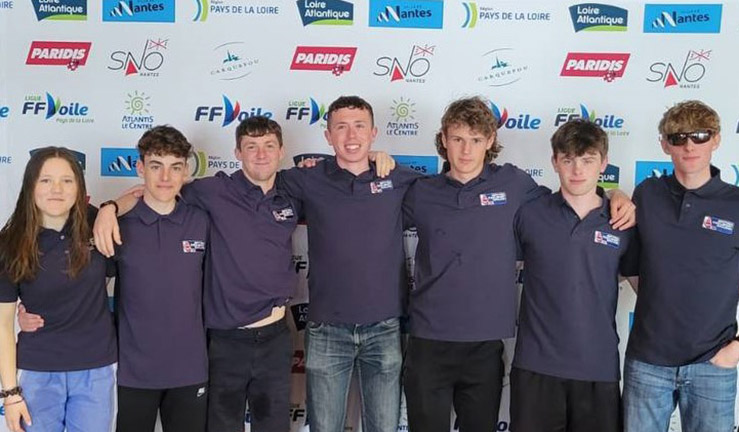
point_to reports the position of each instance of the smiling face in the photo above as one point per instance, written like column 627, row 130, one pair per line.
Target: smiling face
column 56, row 189
column 351, row 133
column 260, row 157
column 465, row 151
column 163, row 177
column 578, row 175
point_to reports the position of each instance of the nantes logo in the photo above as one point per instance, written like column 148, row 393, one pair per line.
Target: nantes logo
column 309, row 110
column 326, row 12
column 138, row 11
column 599, row 17
column 686, row 76
column 56, row 53
column 229, row 112
column 59, row 10
column 337, row 60
column 146, row 65
column 649, row 169
column 406, row 14
column 521, row 122
column 412, row 70
column 118, row 162
column 607, row 66
column 682, row 18
column 50, row 107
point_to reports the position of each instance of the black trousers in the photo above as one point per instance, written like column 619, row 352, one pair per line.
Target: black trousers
column 254, row 365
column 439, row 374
column 544, row 403
column 182, row 409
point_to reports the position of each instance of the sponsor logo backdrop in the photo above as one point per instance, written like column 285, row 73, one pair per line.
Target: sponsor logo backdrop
column 92, row 75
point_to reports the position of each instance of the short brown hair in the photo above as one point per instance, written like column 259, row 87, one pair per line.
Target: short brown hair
column 354, row 102
column 689, row 116
column 257, row 126
column 162, row 141
column 579, row 136
column 475, row 113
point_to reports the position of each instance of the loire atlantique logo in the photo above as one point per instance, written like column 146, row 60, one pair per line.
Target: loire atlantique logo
column 58, row 10
column 610, row 178
column 58, row 53
column 599, row 17
column 607, row 66
column 326, row 12
column 502, row 67
column 682, row 18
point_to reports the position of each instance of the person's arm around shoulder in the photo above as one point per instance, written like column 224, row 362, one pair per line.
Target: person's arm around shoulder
column 106, row 230
column 16, row 410
column 623, row 210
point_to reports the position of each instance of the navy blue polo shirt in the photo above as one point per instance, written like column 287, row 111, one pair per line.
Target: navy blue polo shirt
column 567, row 325
column 78, row 331
column 688, row 270
column 248, row 268
column 355, row 240
column 159, row 297
column 465, row 274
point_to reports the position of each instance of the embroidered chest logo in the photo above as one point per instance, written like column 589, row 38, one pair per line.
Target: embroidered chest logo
column 381, row 185
column 493, row 198
column 193, row 246
column 284, row 214
column 607, row 239
column 719, row 225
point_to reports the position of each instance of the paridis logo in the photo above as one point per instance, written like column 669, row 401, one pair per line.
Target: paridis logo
column 228, row 112
column 337, row 60
column 58, row 53
column 522, row 121
column 682, row 18
column 58, row 10
column 607, row 66
column 51, row 107
column 649, row 169
column 599, row 17
column 427, row 14
column 326, row 12
column 139, row 10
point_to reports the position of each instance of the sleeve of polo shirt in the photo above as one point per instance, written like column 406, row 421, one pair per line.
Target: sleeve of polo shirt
column 192, row 192
column 409, row 207
column 629, row 265
column 9, row 291
column 533, row 190
column 291, row 182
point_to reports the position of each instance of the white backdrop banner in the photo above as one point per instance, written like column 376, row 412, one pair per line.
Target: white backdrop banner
column 92, row 75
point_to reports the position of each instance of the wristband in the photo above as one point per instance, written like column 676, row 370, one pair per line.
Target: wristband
column 17, row 390
column 111, row 202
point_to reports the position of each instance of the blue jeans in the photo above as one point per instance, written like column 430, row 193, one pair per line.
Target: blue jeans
column 332, row 353
column 80, row 401
column 705, row 393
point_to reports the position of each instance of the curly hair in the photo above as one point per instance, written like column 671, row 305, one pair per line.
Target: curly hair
column 689, row 116
column 475, row 113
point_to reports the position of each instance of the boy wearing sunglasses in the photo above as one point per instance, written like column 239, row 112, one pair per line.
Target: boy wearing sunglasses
column 683, row 347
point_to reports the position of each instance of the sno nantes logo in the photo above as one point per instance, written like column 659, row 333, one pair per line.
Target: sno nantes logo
column 57, row 53
column 337, row 60
column 427, row 14
column 326, row 12
column 599, row 17
column 307, row 110
column 60, row 10
column 682, row 18
column 607, row 66
column 138, row 10
column 524, row 121
column 146, row 64
column 51, row 107
column 228, row 112
column 686, row 74
column 412, row 69
column 611, row 123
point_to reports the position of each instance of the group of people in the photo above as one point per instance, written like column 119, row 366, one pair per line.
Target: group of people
column 203, row 276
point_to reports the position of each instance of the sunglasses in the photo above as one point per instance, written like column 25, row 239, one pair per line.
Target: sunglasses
column 698, row 137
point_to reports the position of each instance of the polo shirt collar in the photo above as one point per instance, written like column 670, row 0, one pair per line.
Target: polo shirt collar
column 604, row 210
column 333, row 168
column 488, row 170
column 148, row 216
column 707, row 189
column 250, row 187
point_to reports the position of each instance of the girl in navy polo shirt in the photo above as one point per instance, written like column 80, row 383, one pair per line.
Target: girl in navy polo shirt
column 47, row 260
